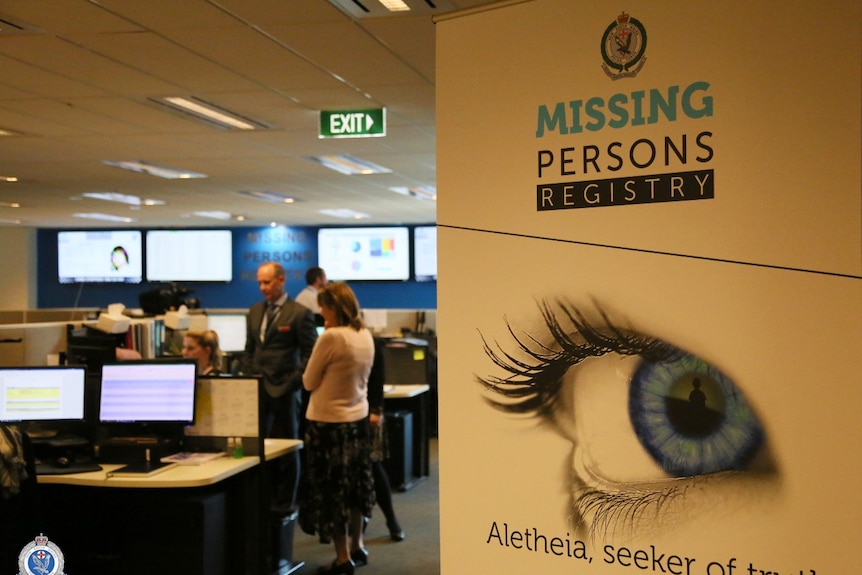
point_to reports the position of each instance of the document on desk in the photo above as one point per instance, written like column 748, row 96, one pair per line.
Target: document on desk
column 191, row 457
column 140, row 469
column 226, row 408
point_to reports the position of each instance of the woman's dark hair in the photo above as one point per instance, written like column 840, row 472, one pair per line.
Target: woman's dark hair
column 339, row 296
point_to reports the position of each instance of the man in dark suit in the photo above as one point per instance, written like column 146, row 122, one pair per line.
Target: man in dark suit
column 279, row 337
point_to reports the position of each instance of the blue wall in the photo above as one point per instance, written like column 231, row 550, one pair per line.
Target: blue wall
column 295, row 248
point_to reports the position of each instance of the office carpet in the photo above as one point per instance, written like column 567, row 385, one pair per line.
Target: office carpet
column 419, row 554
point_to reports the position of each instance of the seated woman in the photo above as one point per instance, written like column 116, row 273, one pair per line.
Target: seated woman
column 203, row 346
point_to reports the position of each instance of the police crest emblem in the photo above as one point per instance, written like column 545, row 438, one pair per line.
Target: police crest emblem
column 40, row 557
column 623, row 46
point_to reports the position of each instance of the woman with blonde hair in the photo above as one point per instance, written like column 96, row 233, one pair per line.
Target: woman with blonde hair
column 203, row 346
column 338, row 486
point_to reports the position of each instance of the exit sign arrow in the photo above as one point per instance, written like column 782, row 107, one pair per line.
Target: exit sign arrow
column 352, row 123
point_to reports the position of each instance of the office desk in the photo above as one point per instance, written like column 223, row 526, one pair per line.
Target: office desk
column 211, row 518
column 179, row 477
column 412, row 398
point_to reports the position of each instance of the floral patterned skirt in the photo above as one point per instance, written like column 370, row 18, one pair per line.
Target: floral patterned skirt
column 336, row 477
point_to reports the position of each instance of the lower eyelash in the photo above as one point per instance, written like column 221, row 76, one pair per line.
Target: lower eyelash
column 600, row 510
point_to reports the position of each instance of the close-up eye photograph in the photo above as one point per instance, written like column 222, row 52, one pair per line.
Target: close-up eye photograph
column 646, row 419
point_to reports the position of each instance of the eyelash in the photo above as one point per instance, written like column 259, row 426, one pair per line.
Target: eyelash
column 534, row 388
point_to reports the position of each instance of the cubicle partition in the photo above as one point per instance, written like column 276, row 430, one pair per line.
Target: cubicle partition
column 212, row 518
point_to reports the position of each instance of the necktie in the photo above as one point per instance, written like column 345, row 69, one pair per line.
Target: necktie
column 270, row 313
column 269, row 317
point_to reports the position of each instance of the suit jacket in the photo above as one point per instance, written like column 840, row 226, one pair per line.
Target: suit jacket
column 281, row 357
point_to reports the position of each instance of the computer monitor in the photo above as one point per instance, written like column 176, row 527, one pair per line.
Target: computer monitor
column 231, row 330
column 90, row 347
column 147, row 393
column 50, row 394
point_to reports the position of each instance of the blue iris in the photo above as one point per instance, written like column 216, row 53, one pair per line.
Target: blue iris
column 691, row 418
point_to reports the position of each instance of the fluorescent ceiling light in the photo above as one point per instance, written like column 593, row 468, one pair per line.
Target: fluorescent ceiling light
column 268, row 196
column 154, row 169
column 216, row 215
column 104, row 217
column 10, row 205
column 421, row 192
column 122, row 198
column 209, row 112
column 395, row 5
column 350, row 165
column 345, row 213
column 8, row 179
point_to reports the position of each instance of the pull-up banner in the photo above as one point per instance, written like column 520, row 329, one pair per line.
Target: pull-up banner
column 656, row 207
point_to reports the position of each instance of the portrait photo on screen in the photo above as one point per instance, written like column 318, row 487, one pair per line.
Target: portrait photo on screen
column 361, row 253
column 175, row 255
column 108, row 256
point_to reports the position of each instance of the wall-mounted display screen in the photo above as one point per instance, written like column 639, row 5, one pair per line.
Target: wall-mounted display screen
column 189, row 256
column 30, row 394
column 110, row 256
column 425, row 253
column 364, row 253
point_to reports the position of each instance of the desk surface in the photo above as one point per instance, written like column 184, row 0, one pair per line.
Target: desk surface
column 179, row 476
column 403, row 391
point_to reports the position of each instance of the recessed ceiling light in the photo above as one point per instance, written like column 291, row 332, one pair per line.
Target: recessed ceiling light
column 8, row 179
column 122, row 199
column 350, row 165
column 210, row 113
column 5, row 221
column 395, row 5
column 104, row 217
column 268, row 196
column 154, row 169
column 345, row 213
column 422, row 192
column 216, row 215
column 10, row 205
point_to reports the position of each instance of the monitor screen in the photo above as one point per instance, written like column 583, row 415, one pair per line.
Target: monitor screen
column 189, row 255
column 90, row 347
column 361, row 253
column 425, row 253
column 231, row 330
column 100, row 256
column 29, row 394
column 148, row 392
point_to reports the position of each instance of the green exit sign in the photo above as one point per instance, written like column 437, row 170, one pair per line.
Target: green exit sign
column 353, row 123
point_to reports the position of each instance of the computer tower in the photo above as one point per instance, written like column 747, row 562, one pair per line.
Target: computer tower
column 399, row 435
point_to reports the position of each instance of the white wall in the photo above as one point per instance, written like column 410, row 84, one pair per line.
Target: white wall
column 18, row 283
